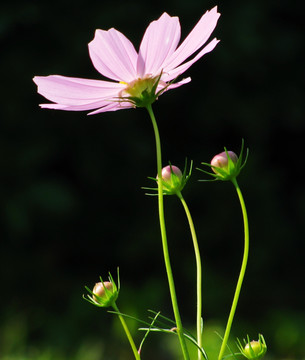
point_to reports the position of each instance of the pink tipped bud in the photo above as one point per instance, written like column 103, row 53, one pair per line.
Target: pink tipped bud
column 221, row 160
column 168, row 170
column 105, row 293
column 172, row 180
column 227, row 165
column 99, row 289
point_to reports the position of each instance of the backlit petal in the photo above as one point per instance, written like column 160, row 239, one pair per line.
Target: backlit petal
column 172, row 74
column 113, row 55
column 87, row 106
column 74, row 91
column 179, row 83
column 158, row 44
column 112, row 107
column 195, row 40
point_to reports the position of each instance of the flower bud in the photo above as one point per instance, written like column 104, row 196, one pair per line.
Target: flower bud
column 104, row 293
column 225, row 165
column 172, row 179
column 99, row 289
column 171, row 172
column 253, row 350
column 221, row 160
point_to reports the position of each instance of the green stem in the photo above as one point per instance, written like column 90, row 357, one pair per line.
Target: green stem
column 199, row 274
column 130, row 339
column 164, row 239
column 242, row 270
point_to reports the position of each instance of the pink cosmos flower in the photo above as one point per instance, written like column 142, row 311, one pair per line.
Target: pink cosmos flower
column 158, row 62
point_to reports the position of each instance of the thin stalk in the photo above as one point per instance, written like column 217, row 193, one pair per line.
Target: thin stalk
column 130, row 339
column 164, row 239
column 242, row 270
column 199, row 273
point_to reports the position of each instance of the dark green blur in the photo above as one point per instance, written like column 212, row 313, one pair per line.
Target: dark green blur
column 71, row 202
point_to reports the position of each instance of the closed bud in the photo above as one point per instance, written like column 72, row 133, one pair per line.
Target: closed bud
column 170, row 170
column 253, row 350
column 221, row 161
column 173, row 181
column 226, row 165
column 104, row 293
column 99, row 289
column 171, row 178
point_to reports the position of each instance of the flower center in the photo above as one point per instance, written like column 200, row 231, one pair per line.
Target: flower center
column 142, row 92
column 136, row 87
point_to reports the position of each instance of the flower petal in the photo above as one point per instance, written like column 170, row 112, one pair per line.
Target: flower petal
column 158, row 44
column 172, row 74
column 112, row 107
column 69, row 92
column 195, row 40
column 88, row 106
column 178, row 84
column 113, row 55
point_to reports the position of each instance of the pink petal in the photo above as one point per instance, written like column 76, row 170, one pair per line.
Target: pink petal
column 88, row 106
column 172, row 74
column 162, row 85
column 101, row 106
column 112, row 107
column 113, row 55
column 195, row 40
column 158, row 44
column 68, row 92
column 180, row 83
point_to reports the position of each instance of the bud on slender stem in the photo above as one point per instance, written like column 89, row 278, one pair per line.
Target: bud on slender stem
column 226, row 165
column 99, row 290
column 221, row 161
column 253, row 350
column 171, row 179
column 104, row 293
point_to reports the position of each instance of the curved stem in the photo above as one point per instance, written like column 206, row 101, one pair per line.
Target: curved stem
column 164, row 240
column 242, row 270
column 130, row 339
column 199, row 274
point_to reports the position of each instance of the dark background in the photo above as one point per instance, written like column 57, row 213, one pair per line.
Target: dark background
column 72, row 207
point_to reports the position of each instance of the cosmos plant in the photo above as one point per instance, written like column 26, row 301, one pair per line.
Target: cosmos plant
column 137, row 79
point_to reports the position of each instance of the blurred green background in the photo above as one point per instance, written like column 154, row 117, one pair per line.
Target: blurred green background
column 72, row 207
